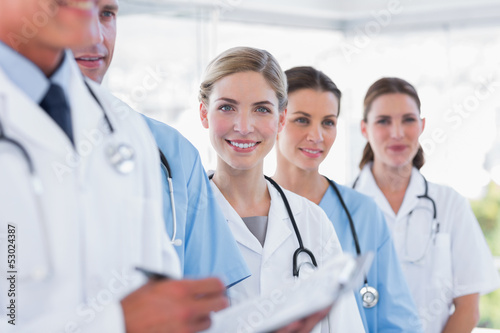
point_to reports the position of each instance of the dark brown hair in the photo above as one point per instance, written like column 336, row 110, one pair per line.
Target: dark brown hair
column 384, row 86
column 306, row 77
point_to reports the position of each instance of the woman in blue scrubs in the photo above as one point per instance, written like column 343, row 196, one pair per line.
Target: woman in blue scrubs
column 303, row 144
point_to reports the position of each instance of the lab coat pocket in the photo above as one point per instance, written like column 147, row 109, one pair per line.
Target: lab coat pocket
column 441, row 261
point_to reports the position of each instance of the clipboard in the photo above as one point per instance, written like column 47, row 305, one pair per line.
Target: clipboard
column 320, row 289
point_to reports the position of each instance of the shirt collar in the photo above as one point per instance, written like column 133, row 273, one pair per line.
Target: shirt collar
column 367, row 185
column 28, row 77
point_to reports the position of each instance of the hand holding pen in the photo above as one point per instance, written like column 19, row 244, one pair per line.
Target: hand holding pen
column 168, row 305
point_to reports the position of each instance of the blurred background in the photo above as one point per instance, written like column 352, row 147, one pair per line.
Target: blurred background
column 449, row 50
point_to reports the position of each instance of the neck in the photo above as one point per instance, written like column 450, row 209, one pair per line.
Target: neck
column 393, row 182
column 307, row 183
column 245, row 190
column 45, row 58
column 390, row 178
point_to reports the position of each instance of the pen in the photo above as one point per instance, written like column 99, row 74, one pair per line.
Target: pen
column 153, row 275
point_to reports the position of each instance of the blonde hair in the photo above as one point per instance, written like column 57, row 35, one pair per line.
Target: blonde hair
column 245, row 59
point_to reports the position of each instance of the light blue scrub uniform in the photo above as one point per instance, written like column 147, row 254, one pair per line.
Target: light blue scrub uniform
column 395, row 308
column 208, row 246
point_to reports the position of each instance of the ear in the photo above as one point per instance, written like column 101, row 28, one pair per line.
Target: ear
column 363, row 125
column 203, row 115
column 282, row 119
column 423, row 125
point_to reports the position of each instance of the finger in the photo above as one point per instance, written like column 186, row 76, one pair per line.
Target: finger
column 209, row 286
column 207, row 304
column 201, row 324
column 310, row 322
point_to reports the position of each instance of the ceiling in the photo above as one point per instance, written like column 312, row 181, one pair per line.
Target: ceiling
column 345, row 15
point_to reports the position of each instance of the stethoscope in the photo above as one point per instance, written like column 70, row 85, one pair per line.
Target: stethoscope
column 120, row 156
column 369, row 294
column 168, row 172
column 301, row 248
column 434, row 229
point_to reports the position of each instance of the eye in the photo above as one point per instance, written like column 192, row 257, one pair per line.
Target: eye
column 409, row 119
column 383, row 121
column 262, row 109
column 329, row 122
column 107, row 14
column 226, row 108
column 301, row 120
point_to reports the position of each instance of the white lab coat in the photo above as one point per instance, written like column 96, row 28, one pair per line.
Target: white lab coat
column 77, row 261
column 271, row 265
column 458, row 263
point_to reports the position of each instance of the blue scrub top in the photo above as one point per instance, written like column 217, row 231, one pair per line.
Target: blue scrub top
column 395, row 309
column 208, row 246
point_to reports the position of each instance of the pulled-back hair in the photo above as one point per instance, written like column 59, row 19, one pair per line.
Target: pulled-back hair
column 384, row 86
column 245, row 59
column 306, row 77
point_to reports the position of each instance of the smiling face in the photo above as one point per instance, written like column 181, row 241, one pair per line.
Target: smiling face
column 95, row 59
column 392, row 128
column 243, row 119
column 311, row 128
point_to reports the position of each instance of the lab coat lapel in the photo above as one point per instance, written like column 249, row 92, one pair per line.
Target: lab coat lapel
column 28, row 120
column 239, row 229
column 367, row 185
column 279, row 227
column 87, row 115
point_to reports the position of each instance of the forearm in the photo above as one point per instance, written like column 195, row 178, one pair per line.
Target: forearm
column 466, row 314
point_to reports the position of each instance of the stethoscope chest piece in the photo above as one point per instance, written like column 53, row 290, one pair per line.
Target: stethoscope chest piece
column 121, row 157
column 369, row 296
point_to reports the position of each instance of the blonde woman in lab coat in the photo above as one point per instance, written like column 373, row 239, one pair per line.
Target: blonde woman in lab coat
column 442, row 250
column 243, row 105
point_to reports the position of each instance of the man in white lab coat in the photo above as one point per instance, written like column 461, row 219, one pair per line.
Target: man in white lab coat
column 80, row 202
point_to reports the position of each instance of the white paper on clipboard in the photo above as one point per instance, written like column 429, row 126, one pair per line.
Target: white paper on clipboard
column 306, row 296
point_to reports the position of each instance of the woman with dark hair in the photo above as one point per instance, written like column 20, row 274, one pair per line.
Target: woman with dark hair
column 384, row 300
column 441, row 248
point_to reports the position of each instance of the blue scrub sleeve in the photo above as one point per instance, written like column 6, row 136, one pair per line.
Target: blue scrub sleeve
column 210, row 246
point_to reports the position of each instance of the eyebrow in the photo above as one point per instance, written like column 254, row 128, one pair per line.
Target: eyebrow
column 110, row 8
column 233, row 101
column 305, row 114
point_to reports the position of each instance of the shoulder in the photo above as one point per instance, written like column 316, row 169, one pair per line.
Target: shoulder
column 353, row 199
column 446, row 195
column 168, row 138
column 301, row 205
column 120, row 113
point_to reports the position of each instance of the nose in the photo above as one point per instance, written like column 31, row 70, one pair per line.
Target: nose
column 95, row 30
column 397, row 131
column 315, row 134
column 244, row 123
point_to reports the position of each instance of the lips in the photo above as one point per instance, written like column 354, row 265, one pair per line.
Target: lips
column 90, row 61
column 311, row 152
column 243, row 145
column 397, row 148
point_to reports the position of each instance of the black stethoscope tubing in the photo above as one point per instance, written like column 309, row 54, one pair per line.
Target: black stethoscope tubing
column 301, row 248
